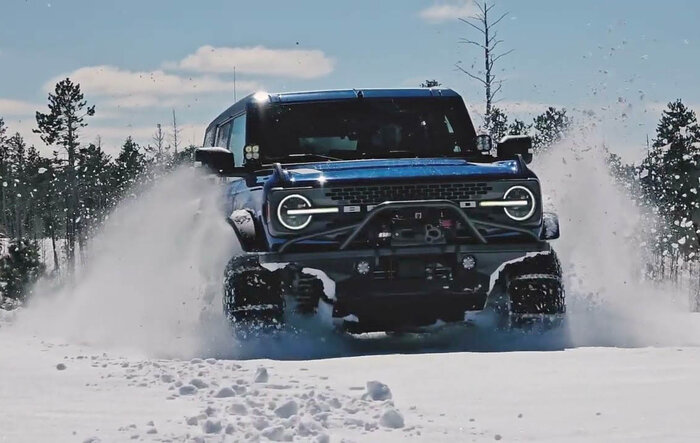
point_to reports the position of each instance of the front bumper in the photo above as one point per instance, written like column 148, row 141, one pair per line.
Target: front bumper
column 407, row 286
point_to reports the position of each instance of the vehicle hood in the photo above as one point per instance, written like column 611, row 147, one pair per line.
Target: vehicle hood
column 327, row 173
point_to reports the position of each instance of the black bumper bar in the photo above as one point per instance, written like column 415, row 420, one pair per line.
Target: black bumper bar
column 358, row 228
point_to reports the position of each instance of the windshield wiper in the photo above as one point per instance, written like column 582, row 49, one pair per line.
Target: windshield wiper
column 310, row 157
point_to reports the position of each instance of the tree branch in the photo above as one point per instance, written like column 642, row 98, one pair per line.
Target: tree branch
column 472, row 42
column 495, row 59
column 499, row 19
column 497, row 90
column 473, row 25
column 492, row 47
column 470, row 74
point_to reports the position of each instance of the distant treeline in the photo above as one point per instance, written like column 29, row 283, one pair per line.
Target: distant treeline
column 63, row 199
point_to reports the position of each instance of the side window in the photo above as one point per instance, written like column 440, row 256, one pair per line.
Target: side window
column 209, row 137
column 222, row 135
column 237, row 141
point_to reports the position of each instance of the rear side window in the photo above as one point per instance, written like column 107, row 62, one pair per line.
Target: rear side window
column 222, row 135
column 237, row 140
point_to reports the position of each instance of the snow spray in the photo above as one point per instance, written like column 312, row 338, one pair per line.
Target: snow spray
column 602, row 253
column 152, row 281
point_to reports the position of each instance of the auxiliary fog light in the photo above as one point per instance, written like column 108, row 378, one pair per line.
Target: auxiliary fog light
column 362, row 267
column 468, row 262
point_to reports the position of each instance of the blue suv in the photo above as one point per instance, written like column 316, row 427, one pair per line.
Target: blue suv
column 382, row 207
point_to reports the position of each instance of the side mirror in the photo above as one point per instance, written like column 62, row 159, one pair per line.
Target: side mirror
column 484, row 143
column 512, row 145
column 550, row 226
column 219, row 160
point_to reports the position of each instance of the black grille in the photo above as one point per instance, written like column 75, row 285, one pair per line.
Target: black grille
column 372, row 195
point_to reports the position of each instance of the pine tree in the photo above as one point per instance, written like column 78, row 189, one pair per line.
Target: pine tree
column 61, row 126
column 94, row 180
column 518, row 127
column 550, row 127
column 16, row 180
column 129, row 166
column 20, row 269
column 670, row 183
column 4, row 162
column 50, row 184
column 497, row 123
column 184, row 157
column 430, row 84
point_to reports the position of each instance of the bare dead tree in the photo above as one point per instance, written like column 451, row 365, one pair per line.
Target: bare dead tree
column 483, row 23
column 175, row 134
column 159, row 137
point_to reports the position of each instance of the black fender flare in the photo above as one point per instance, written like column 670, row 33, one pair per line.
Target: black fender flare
column 243, row 223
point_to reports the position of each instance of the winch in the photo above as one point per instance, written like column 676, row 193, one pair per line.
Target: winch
column 409, row 227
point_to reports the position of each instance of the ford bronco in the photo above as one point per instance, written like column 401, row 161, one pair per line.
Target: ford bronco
column 382, row 205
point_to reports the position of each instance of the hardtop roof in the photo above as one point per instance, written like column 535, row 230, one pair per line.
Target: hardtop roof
column 334, row 94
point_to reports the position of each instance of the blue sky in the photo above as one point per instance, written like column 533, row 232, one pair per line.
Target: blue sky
column 137, row 60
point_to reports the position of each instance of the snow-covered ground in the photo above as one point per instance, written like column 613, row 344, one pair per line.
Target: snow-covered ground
column 137, row 349
column 56, row 392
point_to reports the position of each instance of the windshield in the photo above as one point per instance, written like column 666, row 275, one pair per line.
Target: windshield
column 365, row 128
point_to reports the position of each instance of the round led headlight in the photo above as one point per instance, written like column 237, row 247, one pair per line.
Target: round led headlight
column 523, row 203
column 291, row 203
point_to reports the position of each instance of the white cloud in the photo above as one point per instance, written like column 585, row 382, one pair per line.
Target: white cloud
column 113, row 81
column 143, row 89
column 448, row 10
column 259, row 60
column 9, row 107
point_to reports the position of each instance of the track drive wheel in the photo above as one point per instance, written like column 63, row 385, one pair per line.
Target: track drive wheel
column 252, row 294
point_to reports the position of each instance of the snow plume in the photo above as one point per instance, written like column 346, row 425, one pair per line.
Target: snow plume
column 153, row 279
column 153, row 283
column 602, row 253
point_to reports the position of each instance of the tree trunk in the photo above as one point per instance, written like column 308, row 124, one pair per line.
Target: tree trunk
column 56, row 266
column 82, row 244
column 4, row 207
column 72, row 215
column 487, row 65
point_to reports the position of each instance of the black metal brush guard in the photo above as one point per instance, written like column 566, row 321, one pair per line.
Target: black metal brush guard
column 357, row 228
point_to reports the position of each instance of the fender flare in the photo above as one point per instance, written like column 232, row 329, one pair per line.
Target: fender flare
column 243, row 224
